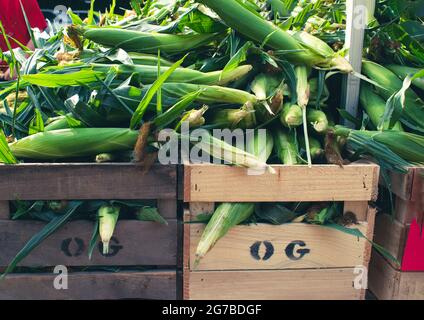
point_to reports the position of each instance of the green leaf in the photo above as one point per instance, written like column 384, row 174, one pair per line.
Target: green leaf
column 150, row 214
column 175, row 111
column 48, row 230
column 274, row 213
column 93, row 241
column 74, row 17
column 75, row 79
column 28, row 25
column 6, row 156
column 91, row 13
column 144, row 103
column 239, row 57
column 396, row 103
column 37, row 123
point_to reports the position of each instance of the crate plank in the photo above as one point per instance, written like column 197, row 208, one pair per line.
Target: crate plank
column 86, row 181
column 204, row 183
column 290, row 246
column 392, row 235
column 167, row 208
column 4, row 210
column 388, row 283
column 92, row 286
column 134, row 243
column 405, row 210
column 408, row 186
column 314, row 284
column 359, row 208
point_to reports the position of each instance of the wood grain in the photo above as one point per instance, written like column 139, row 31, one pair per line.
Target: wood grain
column 315, row 284
column 204, row 183
column 407, row 186
column 387, row 283
column 140, row 243
column 4, row 210
column 92, row 286
column 359, row 208
column 86, row 181
column 167, row 208
column 391, row 234
column 245, row 248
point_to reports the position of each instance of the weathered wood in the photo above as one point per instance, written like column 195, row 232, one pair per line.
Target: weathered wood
column 134, row 243
column 359, row 208
column 4, row 210
column 167, row 208
column 405, row 210
column 92, row 286
column 289, row 246
column 387, row 283
column 196, row 208
column 392, row 235
column 314, row 284
column 408, row 186
column 86, row 181
column 290, row 183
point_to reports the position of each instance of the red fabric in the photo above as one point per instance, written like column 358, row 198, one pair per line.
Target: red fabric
column 13, row 20
column 413, row 259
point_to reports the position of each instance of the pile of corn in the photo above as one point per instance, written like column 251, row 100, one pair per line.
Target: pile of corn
column 105, row 86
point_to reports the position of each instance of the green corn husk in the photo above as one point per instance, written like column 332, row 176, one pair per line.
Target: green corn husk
column 260, row 145
column 297, row 48
column 315, row 146
column 148, row 74
column 146, row 42
column 285, row 146
column 291, row 115
column 317, row 119
column 395, row 149
column 226, row 216
column 148, row 59
column 325, row 95
column 195, row 117
column 374, row 106
column 413, row 112
column 57, row 124
column 265, row 85
column 69, row 143
column 221, row 150
column 108, row 218
column 209, row 94
column 403, row 71
column 243, row 118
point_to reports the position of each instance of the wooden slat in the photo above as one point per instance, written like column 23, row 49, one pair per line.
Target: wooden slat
column 383, row 280
column 86, row 181
column 388, row 283
column 205, row 183
column 134, row 243
column 91, row 286
column 403, row 184
column 405, row 210
column 4, row 210
column 315, row 284
column 265, row 246
column 391, row 234
column 359, row 208
column 167, row 208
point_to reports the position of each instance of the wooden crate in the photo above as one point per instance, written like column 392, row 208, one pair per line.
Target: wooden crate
column 388, row 283
column 409, row 193
column 135, row 243
column 292, row 261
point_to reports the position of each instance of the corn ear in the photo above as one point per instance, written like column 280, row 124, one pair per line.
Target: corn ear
column 260, row 145
column 318, row 120
column 148, row 74
column 285, row 146
column 374, row 106
column 69, row 143
column 146, row 42
column 108, row 217
column 243, row 118
column 403, row 71
column 226, row 216
column 291, row 115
